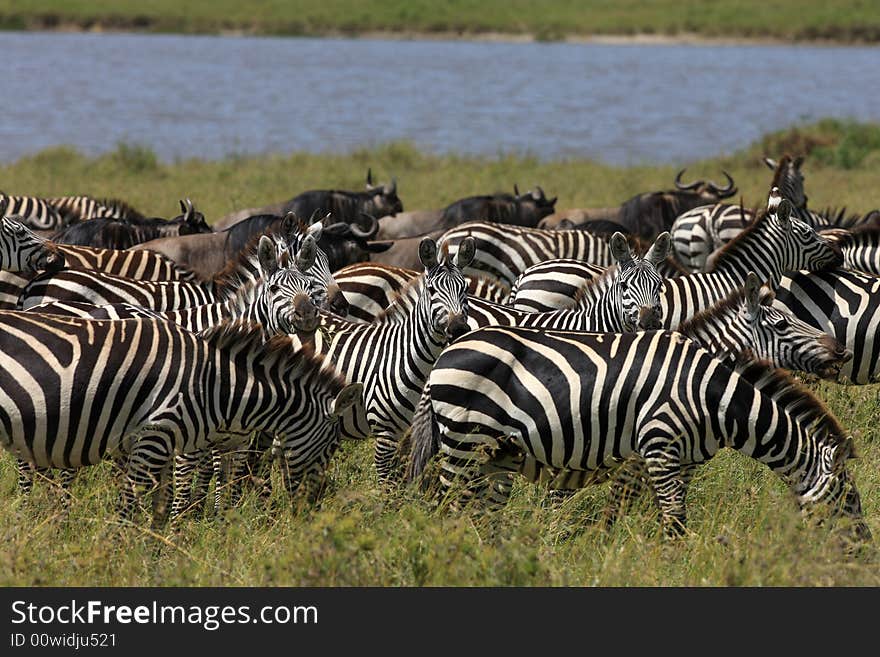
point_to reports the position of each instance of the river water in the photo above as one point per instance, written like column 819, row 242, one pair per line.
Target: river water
column 210, row 96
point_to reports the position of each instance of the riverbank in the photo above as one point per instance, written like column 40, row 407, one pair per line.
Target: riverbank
column 662, row 21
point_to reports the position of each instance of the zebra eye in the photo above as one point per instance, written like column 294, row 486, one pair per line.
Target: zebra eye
column 274, row 288
column 781, row 323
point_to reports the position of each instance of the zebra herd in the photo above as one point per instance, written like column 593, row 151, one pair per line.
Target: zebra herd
column 563, row 356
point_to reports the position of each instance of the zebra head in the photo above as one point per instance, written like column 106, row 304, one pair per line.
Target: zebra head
column 802, row 246
column 23, row 250
column 637, row 284
column 788, row 178
column 445, row 287
column 826, row 487
column 329, row 296
column 284, row 300
column 780, row 338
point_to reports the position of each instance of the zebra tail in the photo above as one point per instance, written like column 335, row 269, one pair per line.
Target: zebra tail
column 425, row 438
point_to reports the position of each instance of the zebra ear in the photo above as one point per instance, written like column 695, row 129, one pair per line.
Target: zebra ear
column 659, row 251
column 347, row 397
column 307, row 253
column 771, row 163
column 753, row 294
column 428, row 253
column 267, row 256
column 783, row 213
column 843, row 452
column 798, row 161
column 620, row 248
column 316, row 229
column 466, row 252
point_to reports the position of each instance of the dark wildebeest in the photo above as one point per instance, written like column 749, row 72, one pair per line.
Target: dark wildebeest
column 648, row 214
column 377, row 200
column 125, row 233
column 518, row 210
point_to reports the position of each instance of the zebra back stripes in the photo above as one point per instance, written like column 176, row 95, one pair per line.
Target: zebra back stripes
column 36, row 213
column 704, row 229
column 552, row 284
column 566, row 408
column 82, row 208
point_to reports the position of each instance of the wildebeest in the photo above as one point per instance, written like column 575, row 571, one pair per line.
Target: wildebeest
column 125, row 233
column 403, row 252
column 377, row 200
column 519, row 209
column 648, row 214
column 206, row 255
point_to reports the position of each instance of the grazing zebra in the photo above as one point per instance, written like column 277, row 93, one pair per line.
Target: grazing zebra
column 35, row 213
column 773, row 244
column 506, row 251
column 155, row 389
column 393, row 355
column 82, row 208
column 845, row 304
column 104, row 289
column 567, row 407
column 280, row 302
column 371, row 287
column 23, row 251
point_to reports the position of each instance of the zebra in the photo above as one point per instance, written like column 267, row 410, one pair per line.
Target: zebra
column 280, row 302
column 506, row 251
column 773, row 244
column 568, row 407
column 860, row 246
column 36, row 213
column 371, row 287
column 722, row 222
column 155, row 389
column 393, row 355
column 845, row 304
column 82, row 208
column 23, row 251
column 566, row 276
column 102, row 289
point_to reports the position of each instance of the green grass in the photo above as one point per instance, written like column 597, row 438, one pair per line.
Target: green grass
column 745, row 529
column 844, row 20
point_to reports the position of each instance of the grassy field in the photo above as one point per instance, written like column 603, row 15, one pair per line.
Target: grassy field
column 845, row 20
column 745, row 529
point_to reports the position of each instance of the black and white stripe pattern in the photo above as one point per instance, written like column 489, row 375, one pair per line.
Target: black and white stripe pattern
column 75, row 392
column 552, row 284
column 566, row 408
column 698, row 232
column 82, row 208
column 23, row 251
column 393, row 356
column 35, row 213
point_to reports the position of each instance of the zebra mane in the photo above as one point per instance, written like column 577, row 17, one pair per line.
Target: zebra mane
column 243, row 334
column 490, row 283
column 729, row 303
column 795, row 398
column 399, row 305
column 723, row 254
column 781, row 166
column 232, row 276
column 585, row 293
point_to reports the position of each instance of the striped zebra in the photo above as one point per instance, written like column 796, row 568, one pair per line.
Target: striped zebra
column 844, row 304
column 566, row 408
column 506, row 251
column 82, row 208
column 23, row 251
column 280, row 302
column 36, row 213
column 102, row 289
column 773, row 244
column 371, row 287
column 860, row 246
column 155, row 389
column 393, row 355
column 551, row 284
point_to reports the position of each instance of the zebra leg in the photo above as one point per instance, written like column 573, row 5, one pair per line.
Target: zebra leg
column 258, row 465
column 629, row 482
column 26, row 473
column 201, row 480
column 184, row 466
column 387, row 462
column 665, row 473
column 162, row 495
column 231, row 469
column 150, row 453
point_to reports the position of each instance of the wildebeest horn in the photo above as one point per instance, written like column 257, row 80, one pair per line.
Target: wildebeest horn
column 182, row 206
column 723, row 192
column 540, row 193
column 515, row 189
column 369, row 177
column 393, row 188
column 680, row 185
column 368, row 234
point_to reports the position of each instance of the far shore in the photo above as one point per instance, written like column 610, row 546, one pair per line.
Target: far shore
column 681, row 38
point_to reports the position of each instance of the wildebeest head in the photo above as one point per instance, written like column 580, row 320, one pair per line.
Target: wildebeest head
column 191, row 220
column 536, row 202
column 707, row 189
column 384, row 197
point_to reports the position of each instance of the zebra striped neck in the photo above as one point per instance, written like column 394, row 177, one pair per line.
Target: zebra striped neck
column 722, row 329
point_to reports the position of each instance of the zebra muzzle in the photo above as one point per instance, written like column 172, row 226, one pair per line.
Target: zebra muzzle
column 305, row 314
column 649, row 319
column 457, row 326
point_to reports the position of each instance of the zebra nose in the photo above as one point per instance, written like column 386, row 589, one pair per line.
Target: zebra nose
column 305, row 315
column 838, row 349
column 649, row 318
column 336, row 301
column 457, row 326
